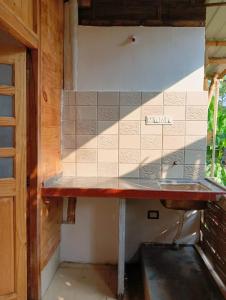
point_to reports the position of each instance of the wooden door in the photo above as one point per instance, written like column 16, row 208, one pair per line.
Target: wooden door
column 13, row 243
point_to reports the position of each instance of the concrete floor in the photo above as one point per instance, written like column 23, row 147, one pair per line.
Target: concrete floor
column 83, row 282
column 176, row 273
column 170, row 274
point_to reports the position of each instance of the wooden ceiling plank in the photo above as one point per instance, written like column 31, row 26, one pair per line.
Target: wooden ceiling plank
column 215, row 4
column 85, row 3
column 215, row 43
column 146, row 13
column 217, row 60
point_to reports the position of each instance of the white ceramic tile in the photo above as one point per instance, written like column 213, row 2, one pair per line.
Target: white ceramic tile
column 71, row 98
column 108, row 141
column 69, row 113
column 86, row 98
column 195, row 157
column 197, row 98
column 129, row 127
column 68, row 156
column 86, row 170
column 194, row 171
column 174, row 98
column 69, row 169
column 108, row 113
column 108, row 98
column 107, row 127
column 195, row 142
column 86, row 113
column 68, row 127
column 151, row 156
column 107, row 169
column 130, row 113
column 65, row 98
column 177, row 114
column 86, row 141
column 107, row 155
column 129, row 141
column 196, row 128
column 68, row 141
column 170, row 157
column 151, row 129
column 86, row 127
column 177, row 128
column 86, row 155
column 150, row 171
column 129, row 170
column 196, row 113
column 151, row 111
column 130, row 98
column 152, row 98
column 169, row 171
column 151, row 142
column 173, row 142
column 129, row 156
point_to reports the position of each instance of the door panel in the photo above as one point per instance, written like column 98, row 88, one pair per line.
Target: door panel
column 7, row 246
column 13, row 265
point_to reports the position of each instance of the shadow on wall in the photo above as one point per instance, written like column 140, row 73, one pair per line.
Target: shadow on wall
column 104, row 134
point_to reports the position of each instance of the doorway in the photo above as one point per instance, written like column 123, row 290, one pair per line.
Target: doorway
column 13, row 198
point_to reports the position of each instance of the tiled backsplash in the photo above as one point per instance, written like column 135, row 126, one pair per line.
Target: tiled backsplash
column 104, row 134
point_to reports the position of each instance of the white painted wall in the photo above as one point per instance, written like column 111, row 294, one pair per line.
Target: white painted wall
column 94, row 236
column 140, row 229
column 49, row 271
column 161, row 58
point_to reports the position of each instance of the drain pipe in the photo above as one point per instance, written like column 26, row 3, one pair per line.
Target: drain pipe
column 179, row 228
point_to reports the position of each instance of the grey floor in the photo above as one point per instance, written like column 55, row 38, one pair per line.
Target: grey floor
column 171, row 274
column 177, row 274
column 83, row 282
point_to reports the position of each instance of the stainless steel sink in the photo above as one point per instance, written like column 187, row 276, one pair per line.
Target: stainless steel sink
column 183, row 185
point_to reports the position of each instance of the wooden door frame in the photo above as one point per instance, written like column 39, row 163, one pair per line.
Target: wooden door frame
column 33, row 181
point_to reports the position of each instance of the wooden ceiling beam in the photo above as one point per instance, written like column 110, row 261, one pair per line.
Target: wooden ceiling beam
column 217, row 60
column 222, row 74
column 215, row 4
column 147, row 13
column 215, row 43
column 85, row 3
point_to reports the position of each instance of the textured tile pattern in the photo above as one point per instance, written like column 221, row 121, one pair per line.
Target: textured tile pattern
column 104, row 134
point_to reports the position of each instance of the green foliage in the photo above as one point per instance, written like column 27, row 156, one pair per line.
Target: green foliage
column 220, row 167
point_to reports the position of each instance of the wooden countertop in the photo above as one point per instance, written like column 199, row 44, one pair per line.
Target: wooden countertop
column 127, row 188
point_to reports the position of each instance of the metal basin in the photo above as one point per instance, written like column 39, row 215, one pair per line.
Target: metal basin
column 181, row 185
column 184, row 204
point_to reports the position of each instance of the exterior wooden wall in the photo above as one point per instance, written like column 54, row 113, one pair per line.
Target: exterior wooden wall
column 38, row 24
column 25, row 10
column 214, row 240
column 51, row 84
